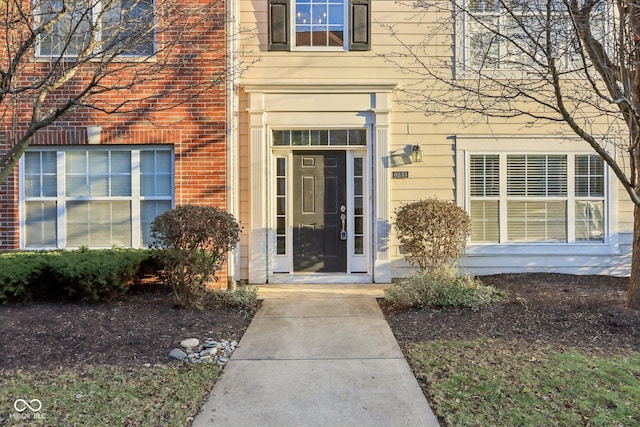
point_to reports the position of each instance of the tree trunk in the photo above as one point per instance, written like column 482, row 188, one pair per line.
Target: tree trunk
column 633, row 295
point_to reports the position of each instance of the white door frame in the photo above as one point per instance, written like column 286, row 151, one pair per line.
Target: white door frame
column 280, row 266
column 297, row 106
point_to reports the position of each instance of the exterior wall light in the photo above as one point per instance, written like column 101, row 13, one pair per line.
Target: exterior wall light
column 416, row 154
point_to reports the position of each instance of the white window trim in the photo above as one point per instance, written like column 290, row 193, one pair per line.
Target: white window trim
column 345, row 32
column 95, row 13
column 283, row 263
column 482, row 144
column 269, row 105
column 135, row 198
column 462, row 61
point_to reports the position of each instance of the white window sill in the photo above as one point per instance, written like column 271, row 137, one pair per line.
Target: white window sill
column 543, row 249
column 72, row 58
column 319, row 49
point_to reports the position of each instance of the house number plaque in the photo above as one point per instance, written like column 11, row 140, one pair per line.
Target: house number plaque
column 400, row 174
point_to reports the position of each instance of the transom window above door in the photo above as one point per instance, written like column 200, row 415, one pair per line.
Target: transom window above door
column 325, row 137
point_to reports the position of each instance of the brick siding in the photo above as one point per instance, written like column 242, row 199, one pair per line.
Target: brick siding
column 196, row 128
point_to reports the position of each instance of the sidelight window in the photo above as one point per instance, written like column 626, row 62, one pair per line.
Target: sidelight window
column 358, row 206
column 281, row 206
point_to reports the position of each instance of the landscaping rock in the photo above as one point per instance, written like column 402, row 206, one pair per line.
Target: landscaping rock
column 209, row 352
column 177, row 354
column 189, row 343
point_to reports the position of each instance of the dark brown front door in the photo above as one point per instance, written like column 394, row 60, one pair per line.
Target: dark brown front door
column 320, row 196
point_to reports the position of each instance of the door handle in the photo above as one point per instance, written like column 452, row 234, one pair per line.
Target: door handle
column 343, row 220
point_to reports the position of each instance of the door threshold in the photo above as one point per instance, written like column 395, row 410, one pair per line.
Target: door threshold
column 319, row 278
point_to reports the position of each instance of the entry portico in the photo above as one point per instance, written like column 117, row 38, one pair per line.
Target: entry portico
column 319, row 199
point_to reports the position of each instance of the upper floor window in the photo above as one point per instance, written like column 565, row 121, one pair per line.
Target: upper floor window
column 319, row 24
column 518, row 34
column 121, row 27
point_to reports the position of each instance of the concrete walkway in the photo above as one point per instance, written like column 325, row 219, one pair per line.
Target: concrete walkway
column 317, row 356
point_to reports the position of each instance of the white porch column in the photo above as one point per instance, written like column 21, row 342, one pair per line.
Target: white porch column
column 381, row 185
column 258, row 170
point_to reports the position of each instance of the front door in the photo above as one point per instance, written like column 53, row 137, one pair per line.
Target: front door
column 320, row 211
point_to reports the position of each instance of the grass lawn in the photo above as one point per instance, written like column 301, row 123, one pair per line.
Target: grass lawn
column 493, row 383
column 107, row 396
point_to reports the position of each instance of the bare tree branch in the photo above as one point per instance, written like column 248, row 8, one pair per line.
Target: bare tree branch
column 61, row 56
column 571, row 63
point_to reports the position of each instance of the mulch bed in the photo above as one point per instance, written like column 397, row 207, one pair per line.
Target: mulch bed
column 556, row 310
column 136, row 329
column 549, row 309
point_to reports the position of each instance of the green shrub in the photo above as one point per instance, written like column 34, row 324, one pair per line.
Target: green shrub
column 19, row 271
column 97, row 275
column 191, row 245
column 441, row 287
column 243, row 298
column 87, row 275
column 432, row 232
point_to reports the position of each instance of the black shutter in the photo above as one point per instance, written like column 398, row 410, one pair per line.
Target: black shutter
column 279, row 24
column 360, row 24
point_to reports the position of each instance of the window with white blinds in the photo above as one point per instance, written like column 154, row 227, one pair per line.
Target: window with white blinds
column 485, row 196
column 543, row 198
column 94, row 197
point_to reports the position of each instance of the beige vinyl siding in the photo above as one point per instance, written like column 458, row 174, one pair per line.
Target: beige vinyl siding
column 436, row 175
column 625, row 220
